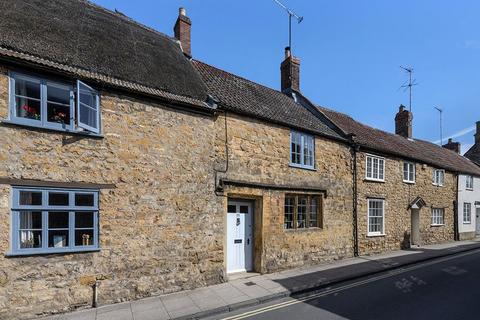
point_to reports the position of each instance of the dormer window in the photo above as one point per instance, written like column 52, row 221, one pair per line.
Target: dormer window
column 54, row 105
column 302, row 150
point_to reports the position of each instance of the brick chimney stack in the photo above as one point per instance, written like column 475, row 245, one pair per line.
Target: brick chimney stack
column 290, row 72
column 403, row 122
column 477, row 134
column 182, row 30
column 454, row 146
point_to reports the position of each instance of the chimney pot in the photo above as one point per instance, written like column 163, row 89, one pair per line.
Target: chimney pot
column 288, row 53
column 182, row 30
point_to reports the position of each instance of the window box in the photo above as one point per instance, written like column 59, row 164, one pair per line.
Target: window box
column 438, row 177
column 376, row 217
column 53, row 221
column 409, row 172
column 438, row 217
column 302, row 150
column 375, row 168
column 302, row 212
column 42, row 103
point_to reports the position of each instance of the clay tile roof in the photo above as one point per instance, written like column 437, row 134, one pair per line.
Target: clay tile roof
column 420, row 150
column 107, row 45
column 474, row 153
column 242, row 96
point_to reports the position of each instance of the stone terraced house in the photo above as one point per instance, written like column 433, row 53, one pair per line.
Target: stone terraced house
column 405, row 188
column 130, row 169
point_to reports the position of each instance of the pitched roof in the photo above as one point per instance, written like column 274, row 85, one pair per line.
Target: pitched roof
column 243, row 96
column 474, row 153
column 393, row 144
column 104, row 45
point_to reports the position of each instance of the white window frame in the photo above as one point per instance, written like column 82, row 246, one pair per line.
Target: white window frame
column 410, row 167
column 311, row 144
column 44, row 83
column 380, row 172
column 45, row 208
column 467, row 213
column 375, row 233
column 435, row 178
column 469, row 183
column 438, row 216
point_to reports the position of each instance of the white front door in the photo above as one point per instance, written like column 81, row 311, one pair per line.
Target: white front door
column 477, row 221
column 239, row 237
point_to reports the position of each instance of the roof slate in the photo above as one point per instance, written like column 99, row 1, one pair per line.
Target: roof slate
column 242, row 96
column 79, row 34
column 474, row 153
column 393, row 144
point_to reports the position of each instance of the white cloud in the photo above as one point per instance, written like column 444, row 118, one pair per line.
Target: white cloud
column 458, row 134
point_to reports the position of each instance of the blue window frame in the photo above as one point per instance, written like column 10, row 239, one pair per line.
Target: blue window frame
column 43, row 103
column 302, row 150
column 53, row 220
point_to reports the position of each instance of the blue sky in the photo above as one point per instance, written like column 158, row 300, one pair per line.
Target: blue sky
column 350, row 52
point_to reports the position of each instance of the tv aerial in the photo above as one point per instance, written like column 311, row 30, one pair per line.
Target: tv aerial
column 290, row 15
column 408, row 85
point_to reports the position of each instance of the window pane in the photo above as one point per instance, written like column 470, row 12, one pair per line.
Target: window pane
column 243, row 209
column 28, row 108
column 369, row 167
column 58, row 199
column 27, row 88
column 57, row 220
column 313, row 218
column 30, row 198
column 58, row 238
column 288, row 218
column 88, row 97
column 88, row 116
column 30, row 239
column 87, row 200
column 84, row 237
column 83, row 219
column 58, row 113
column 302, row 213
column 232, row 208
column 30, row 219
column 58, row 95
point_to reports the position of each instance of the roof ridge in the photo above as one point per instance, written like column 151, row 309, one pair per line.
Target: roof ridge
column 122, row 16
column 240, row 77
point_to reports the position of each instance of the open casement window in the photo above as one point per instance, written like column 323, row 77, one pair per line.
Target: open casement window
column 302, row 212
column 53, row 220
column 44, row 103
column 88, row 113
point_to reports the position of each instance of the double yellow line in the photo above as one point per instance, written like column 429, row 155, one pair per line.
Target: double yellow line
column 343, row 288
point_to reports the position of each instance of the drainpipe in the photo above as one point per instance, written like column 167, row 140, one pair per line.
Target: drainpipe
column 456, row 235
column 355, row 148
column 95, row 294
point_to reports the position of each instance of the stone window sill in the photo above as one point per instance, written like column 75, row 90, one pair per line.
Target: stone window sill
column 49, row 252
column 42, row 128
column 376, row 235
column 313, row 229
column 437, row 225
column 299, row 166
column 374, row 180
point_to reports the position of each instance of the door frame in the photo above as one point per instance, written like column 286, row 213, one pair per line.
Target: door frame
column 415, row 227
column 251, row 205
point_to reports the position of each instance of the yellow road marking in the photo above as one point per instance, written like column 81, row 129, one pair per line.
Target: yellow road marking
column 342, row 288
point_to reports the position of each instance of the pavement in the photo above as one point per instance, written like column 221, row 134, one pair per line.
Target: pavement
column 248, row 290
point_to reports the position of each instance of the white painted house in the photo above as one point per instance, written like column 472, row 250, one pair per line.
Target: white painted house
column 468, row 207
